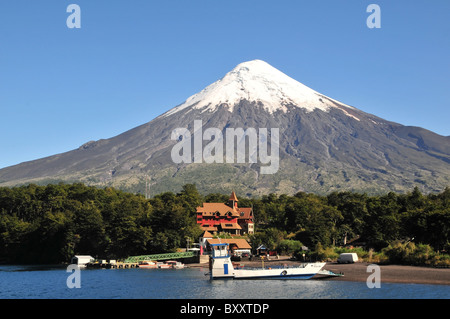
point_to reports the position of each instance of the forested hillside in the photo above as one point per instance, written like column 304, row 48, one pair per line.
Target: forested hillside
column 49, row 224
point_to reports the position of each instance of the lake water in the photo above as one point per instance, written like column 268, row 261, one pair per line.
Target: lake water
column 50, row 282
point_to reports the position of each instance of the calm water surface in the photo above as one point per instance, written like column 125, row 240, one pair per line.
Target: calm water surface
column 50, row 282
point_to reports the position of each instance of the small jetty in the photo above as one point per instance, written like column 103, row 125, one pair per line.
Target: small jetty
column 171, row 264
column 160, row 261
column 111, row 264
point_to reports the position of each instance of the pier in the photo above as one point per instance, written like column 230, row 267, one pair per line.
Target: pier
column 124, row 265
column 112, row 264
column 187, row 257
column 134, row 261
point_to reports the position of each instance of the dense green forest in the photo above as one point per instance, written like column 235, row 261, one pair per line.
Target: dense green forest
column 49, row 224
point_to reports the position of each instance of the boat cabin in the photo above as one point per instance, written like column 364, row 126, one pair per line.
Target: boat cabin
column 220, row 250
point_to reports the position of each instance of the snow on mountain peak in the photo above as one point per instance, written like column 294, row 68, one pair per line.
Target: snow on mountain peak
column 257, row 81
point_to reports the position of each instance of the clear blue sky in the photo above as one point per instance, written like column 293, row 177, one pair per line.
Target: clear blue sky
column 133, row 60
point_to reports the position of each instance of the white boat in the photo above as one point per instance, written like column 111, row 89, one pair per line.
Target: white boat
column 148, row 265
column 221, row 267
column 175, row 264
column 162, row 265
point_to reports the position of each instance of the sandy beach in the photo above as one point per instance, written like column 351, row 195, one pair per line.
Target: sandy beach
column 358, row 271
column 392, row 273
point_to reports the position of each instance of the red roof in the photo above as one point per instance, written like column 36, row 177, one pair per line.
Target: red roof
column 240, row 243
column 211, row 209
column 208, row 228
column 207, row 234
column 230, row 226
column 233, row 197
column 245, row 213
column 219, row 211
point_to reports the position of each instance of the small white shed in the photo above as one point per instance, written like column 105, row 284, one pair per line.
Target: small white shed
column 81, row 260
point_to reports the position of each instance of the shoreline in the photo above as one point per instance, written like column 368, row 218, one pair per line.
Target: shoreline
column 392, row 273
column 358, row 271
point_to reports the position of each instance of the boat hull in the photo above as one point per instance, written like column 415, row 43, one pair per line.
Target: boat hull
column 267, row 276
column 278, row 277
column 306, row 272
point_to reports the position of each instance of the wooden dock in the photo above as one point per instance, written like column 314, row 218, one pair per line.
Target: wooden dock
column 112, row 265
column 123, row 265
column 133, row 261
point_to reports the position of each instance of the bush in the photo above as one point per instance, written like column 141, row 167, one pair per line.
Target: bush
column 322, row 254
column 289, row 246
column 396, row 253
column 416, row 255
column 440, row 261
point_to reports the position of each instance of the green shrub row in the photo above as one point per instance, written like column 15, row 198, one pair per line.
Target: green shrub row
column 408, row 253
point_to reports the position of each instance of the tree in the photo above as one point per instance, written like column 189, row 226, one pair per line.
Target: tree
column 89, row 229
column 125, row 230
column 382, row 224
column 190, row 198
column 270, row 238
column 353, row 209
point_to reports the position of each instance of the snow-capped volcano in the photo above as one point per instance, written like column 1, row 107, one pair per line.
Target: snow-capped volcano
column 324, row 145
column 257, row 81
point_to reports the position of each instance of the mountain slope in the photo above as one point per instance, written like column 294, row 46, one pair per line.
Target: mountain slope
column 325, row 145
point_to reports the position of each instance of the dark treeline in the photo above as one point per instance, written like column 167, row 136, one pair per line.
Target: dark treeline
column 49, row 224
column 375, row 220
